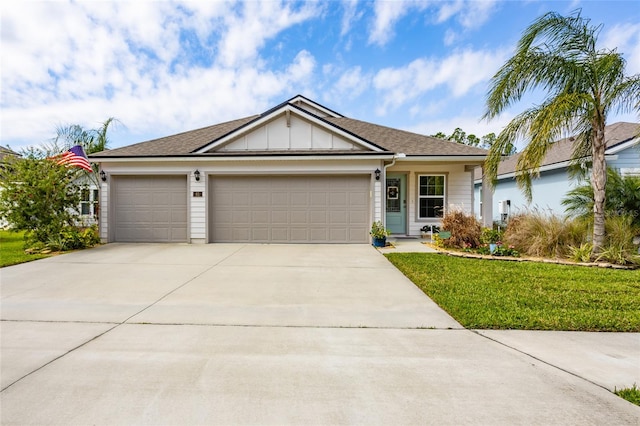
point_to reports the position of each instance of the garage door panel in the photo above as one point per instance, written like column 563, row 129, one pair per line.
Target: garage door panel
column 257, row 234
column 339, row 234
column 301, row 218
column 340, row 217
column 281, row 217
column 338, row 200
column 299, row 235
column 289, row 209
column 300, row 199
column 260, row 199
column 318, row 199
column 319, row 234
column 150, row 208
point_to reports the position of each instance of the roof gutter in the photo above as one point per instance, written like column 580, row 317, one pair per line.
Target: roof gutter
column 448, row 158
column 208, row 159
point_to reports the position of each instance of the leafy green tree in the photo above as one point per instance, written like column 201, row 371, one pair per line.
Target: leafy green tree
column 37, row 196
column 462, row 137
column 558, row 55
column 622, row 198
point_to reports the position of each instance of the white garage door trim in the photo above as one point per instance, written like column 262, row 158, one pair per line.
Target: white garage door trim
column 289, row 209
column 149, row 208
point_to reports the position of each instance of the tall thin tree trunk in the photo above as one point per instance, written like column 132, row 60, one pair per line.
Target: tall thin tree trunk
column 598, row 182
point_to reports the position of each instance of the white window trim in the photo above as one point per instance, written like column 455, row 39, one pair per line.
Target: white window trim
column 443, row 196
column 92, row 202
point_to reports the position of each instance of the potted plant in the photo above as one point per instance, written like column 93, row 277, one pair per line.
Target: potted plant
column 379, row 234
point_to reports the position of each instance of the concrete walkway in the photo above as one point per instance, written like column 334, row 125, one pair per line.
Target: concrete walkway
column 406, row 245
column 277, row 334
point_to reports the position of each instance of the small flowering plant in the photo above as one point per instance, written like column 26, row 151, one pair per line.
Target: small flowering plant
column 379, row 231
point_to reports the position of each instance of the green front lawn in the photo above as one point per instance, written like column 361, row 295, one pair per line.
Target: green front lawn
column 491, row 294
column 12, row 249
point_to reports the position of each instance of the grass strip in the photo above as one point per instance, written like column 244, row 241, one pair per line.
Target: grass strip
column 631, row 394
column 12, row 249
column 492, row 294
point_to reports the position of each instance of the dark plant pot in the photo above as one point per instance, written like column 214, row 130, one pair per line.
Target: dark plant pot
column 379, row 242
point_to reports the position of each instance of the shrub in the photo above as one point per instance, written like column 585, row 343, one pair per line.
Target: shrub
column 465, row 230
column 581, row 253
column 537, row 234
column 70, row 238
column 619, row 247
column 491, row 236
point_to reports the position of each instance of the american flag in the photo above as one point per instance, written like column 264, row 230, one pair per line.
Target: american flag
column 75, row 156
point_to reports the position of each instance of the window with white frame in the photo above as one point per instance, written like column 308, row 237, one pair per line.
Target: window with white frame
column 431, row 194
column 89, row 202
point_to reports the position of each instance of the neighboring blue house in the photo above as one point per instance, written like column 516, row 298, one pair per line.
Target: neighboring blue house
column 623, row 154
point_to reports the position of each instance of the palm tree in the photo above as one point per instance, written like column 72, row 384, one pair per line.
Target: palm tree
column 91, row 140
column 622, row 198
column 558, row 55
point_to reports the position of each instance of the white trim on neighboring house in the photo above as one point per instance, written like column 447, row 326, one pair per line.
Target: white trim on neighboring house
column 291, row 109
column 630, row 171
column 621, row 147
column 548, row 167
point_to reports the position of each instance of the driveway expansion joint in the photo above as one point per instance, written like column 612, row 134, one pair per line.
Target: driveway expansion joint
column 557, row 367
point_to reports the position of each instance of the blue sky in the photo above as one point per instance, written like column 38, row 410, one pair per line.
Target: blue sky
column 163, row 67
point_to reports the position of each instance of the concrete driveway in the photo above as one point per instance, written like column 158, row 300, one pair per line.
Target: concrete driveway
column 262, row 334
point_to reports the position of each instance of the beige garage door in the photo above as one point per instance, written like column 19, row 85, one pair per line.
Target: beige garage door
column 150, row 208
column 289, row 209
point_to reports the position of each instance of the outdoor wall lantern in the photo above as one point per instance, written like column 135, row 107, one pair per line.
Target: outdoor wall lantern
column 103, row 176
column 377, row 172
column 196, row 174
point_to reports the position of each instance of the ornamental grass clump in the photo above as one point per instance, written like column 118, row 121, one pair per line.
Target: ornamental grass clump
column 619, row 247
column 544, row 235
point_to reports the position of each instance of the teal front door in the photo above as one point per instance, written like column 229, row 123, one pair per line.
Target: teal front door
column 396, row 200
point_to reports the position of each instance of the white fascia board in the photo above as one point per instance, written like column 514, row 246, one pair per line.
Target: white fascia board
column 549, row 167
column 209, row 159
column 628, row 144
column 448, row 158
column 298, row 111
column 317, row 106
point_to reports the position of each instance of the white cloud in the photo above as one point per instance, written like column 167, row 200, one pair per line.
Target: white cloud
column 449, row 9
column 475, row 13
column 450, row 37
column 134, row 61
column 352, row 83
column 258, row 21
column 387, row 14
column 350, row 16
column 626, row 39
column 459, row 72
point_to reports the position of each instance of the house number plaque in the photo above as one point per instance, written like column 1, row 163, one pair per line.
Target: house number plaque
column 197, row 193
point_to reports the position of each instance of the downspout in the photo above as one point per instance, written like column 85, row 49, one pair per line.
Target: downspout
column 384, row 195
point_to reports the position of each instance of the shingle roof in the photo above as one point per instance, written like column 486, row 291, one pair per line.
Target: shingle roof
column 5, row 151
column 400, row 141
column 389, row 139
column 562, row 150
column 180, row 144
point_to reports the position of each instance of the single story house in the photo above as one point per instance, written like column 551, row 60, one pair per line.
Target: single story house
column 297, row 173
column 548, row 190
